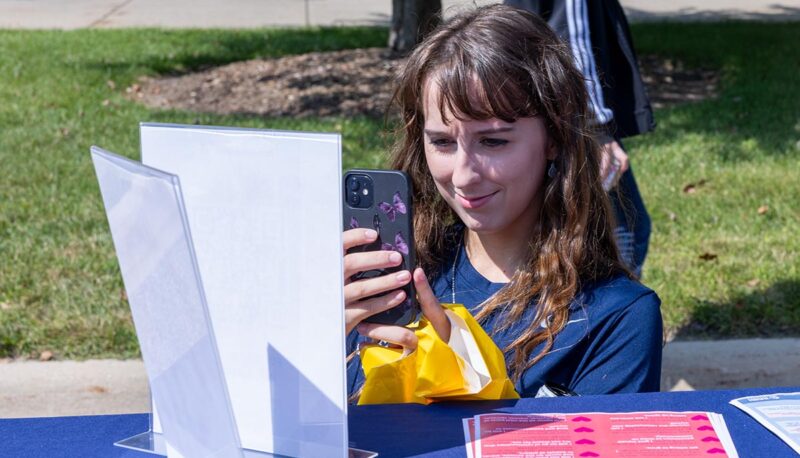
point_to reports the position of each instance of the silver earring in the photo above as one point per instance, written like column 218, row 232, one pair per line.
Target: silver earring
column 551, row 172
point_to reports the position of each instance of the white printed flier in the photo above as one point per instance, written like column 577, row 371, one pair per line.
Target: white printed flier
column 779, row 413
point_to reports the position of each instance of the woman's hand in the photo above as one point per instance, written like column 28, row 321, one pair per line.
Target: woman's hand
column 613, row 159
column 357, row 309
column 405, row 337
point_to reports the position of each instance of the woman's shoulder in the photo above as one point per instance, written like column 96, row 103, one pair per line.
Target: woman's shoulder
column 617, row 295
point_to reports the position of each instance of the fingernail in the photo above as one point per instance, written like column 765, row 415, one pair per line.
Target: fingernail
column 370, row 234
column 395, row 257
column 399, row 296
column 403, row 276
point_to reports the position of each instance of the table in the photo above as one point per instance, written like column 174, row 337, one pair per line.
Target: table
column 397, row 430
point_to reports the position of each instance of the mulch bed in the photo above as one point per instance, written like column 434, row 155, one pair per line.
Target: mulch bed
column 350, row 83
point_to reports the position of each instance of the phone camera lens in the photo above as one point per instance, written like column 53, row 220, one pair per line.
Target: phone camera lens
column 354, row 199
column 353, row 184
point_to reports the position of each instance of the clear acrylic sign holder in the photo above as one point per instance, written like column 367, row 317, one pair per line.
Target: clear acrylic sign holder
column 151, row 237
column 264, row 209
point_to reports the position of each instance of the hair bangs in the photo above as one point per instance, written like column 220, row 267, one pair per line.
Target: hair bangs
column 466, row 92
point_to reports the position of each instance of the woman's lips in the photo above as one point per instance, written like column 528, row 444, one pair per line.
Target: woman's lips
column 474, row 202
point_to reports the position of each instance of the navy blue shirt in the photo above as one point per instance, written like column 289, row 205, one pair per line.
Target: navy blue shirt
column 611, row 343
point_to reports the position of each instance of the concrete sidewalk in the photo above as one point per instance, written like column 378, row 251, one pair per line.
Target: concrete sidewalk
column 58, row 388
column 258, row 13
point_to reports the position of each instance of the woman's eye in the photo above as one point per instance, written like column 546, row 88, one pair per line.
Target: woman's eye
column 441, row 142
column 493, row 142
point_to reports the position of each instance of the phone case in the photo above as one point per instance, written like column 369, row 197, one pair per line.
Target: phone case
column 390, row 213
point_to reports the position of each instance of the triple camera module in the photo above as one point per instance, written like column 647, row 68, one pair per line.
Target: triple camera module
column 358, row 191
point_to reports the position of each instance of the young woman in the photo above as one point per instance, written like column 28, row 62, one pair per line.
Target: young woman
column 510, row 216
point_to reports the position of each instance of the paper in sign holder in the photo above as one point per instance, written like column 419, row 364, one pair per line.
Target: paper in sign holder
column 262, row 213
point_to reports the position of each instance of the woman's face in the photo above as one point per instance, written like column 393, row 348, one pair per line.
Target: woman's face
column 490, row 172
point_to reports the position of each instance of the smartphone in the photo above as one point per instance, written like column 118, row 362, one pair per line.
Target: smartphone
column 381, row 200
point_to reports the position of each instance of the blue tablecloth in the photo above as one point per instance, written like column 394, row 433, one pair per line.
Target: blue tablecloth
column 396, row 430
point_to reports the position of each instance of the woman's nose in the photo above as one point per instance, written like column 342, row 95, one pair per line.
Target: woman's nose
column 466, row 169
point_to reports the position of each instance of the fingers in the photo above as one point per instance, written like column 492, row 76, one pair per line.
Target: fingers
column 404, row 337
column 396, row 335
column 430, row 305
column 355, row 237
column 361, row 289
column 360, row 310
column 370, row 260
column 621, row 156
column 613, row 163
column 606, row 152
column 357, row 307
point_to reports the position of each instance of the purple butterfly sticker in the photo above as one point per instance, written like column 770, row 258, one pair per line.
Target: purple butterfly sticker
column 399, row 244
column 353, row 223
column 392, row 209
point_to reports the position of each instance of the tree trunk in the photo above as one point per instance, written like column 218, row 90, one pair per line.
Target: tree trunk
column 411, row 21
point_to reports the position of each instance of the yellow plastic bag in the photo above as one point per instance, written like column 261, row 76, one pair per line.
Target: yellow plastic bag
column 470, row 368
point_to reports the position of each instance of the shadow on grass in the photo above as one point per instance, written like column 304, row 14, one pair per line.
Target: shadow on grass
column 739, row 130
column 777, row 12
column 756, row 113
column 770, row 312
column 227, row 46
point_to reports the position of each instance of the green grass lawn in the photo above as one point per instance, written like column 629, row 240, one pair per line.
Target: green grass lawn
column 61, row 92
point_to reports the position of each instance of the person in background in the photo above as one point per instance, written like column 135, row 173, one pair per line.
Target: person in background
column 600, row 40
column 510, row 216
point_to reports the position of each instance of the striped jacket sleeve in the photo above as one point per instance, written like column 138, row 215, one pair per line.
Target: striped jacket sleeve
column 580, row 42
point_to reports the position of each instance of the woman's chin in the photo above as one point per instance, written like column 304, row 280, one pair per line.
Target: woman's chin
column 479, row 225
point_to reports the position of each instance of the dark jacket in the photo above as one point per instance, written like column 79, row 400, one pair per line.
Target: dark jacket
column 600, row 39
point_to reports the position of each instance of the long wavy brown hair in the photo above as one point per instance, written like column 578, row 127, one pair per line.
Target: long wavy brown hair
column 502, row 62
